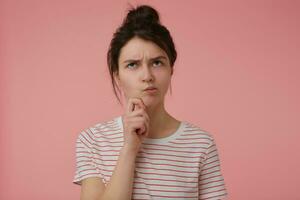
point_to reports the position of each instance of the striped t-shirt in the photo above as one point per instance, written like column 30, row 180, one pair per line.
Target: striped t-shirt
column 184, row 165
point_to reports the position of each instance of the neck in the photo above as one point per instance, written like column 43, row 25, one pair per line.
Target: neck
column 159, row 119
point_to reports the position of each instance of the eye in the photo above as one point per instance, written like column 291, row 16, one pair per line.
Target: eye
column 157, row 63
column 130, row 65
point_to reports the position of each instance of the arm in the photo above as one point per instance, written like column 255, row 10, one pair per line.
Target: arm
column 211, row 182
column 136, row 126
column 120, row 184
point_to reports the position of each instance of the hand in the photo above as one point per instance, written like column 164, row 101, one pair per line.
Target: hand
column 136, row 123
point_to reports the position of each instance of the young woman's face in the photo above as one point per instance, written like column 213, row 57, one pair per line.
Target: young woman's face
column 142, row 64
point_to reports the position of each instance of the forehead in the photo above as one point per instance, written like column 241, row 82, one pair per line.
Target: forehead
column 137, row 48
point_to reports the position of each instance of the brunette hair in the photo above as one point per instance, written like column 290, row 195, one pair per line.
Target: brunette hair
column 143, row 22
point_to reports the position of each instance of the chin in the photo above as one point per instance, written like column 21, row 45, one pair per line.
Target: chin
column 150, row 101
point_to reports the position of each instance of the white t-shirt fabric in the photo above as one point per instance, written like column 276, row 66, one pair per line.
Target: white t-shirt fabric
column 184, row 165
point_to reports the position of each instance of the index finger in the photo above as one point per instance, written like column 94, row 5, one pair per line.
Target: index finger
column 134, row 101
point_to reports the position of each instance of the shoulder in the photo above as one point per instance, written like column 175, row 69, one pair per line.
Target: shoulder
column 195, row 131
column 106, row 125
column 100, row 128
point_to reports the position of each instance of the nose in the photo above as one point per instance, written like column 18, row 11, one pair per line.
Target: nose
column 147, row 75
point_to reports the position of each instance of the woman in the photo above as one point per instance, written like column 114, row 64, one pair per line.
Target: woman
column 146, row 153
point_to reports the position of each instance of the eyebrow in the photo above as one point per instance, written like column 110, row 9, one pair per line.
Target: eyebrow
column 155, row 58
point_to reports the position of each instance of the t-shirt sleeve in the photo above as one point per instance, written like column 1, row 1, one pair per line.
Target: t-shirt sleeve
column 85, row 160
column 211, row 182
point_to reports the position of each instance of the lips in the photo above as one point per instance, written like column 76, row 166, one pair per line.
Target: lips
column 150, row 88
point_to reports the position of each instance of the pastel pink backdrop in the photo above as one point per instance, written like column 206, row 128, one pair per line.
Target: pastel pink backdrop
column 237, row 76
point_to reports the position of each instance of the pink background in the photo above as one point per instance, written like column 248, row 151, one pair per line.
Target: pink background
column 237, row 76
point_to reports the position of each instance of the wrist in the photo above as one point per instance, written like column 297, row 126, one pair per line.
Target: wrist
column 129, row 151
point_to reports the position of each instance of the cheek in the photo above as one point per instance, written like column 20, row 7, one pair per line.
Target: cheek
column 129, row 87
column 165, row 83
column 125, row 81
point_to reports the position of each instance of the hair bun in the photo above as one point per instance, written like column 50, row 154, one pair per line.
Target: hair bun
column 142, row 15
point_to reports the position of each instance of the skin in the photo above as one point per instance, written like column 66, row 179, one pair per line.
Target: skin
column 137, row 70
column 145, row 115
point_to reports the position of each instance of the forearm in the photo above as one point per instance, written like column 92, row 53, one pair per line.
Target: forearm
column 121, row 182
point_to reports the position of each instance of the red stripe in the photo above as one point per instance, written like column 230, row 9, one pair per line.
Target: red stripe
column 183, row 161
column 106, row 165
column 158, row 179
column 165, row 196
column 90, row 133
column 80, row 166
column 171, row 150
column 109, row 134
column 201, row 138
column 207, row 163
column 86, row 141
column 108, row 138
column 82, row 151
column 187, row 129
column 111, row 130
column 97, row 145
column 164, row 164
column 222, row 180
column 222, row 184
column 84, row 156
column 195, row 172
column 162, row 185
column 203, row 179
column 112, row 142
column 111, row 150
column 211, row 167
column 82, row 176
column 173, row 155
column 84, row 170
column 221, row 195
column 102, row 155
column 151, row 190
column 189, row 142
column 210, row 172
column 172, row 175
column 213, row 192
column 193, row 134
column 175, row 147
